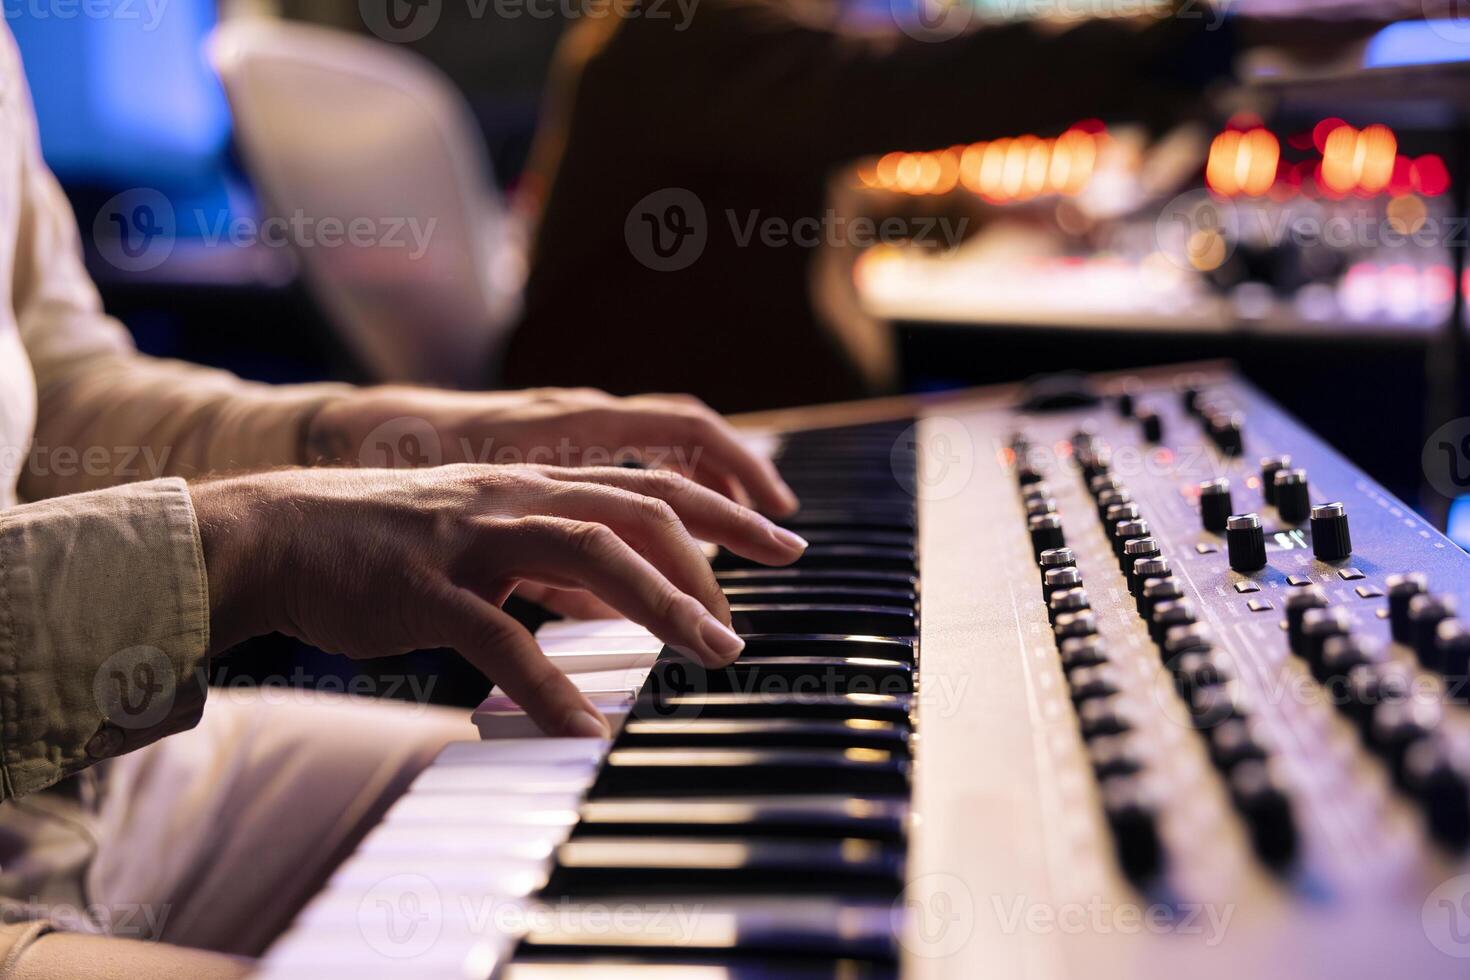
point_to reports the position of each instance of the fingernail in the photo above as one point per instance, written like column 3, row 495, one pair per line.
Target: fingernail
column 584, row 724
column 719, row 638
column 788, row 539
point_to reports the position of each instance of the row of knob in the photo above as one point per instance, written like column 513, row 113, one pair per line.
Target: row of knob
column 1204, row 682
column 1382, row 698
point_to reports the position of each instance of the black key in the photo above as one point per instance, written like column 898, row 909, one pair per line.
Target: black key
column 681, row 865
column 761, row 645
column 753, row 733
column 858, row 620
column 878, row 536
column 864, row 817
column 837, row 556
column 579, row 962
column 816, row 578
column 841, row 595
column 882, row 707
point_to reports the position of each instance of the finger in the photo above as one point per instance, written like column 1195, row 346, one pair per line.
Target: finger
column 566, row 602
column 650, row 525
column 568, row 554
column 508, row 655
column 708, row 515
column 713, row 445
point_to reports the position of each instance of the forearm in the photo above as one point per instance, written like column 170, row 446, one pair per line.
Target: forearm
column 120, row 417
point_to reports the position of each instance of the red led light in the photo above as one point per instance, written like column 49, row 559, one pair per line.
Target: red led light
column 1321, row 131
column 1430, row 174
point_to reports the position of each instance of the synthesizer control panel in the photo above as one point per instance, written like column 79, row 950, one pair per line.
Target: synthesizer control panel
column 1194, row 696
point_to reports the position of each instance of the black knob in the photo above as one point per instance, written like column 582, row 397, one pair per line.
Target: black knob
column 1270, row 466
column 1266, row 808
column 1425, row 614
column 1182, row 639
column 1145, row 568
column 1070, row 624
column 1095, row 462
column 1226, row 428
column 1102, row 483
column 1027, row 474
column 1452, row 655
column 1031, row 491
column 1155, row 592
column 1331, row 539
column 1132, row 816
column 1053, row 580
column 1167, row 615
column 1136, row 548
column 1046, row 533
column 1245, row 541
column 1067, row 601
column 1293, row 502
column 1126, row 403
column 1435, row 776
column 1152, row 425
column 1083, row 651
column 1341, row 654
column 1189, row 398
column 1402, row 588
column 1125, row 531
column 1236, row 741
column 1371, row 685
column 1057, row 558
column 1318, row 627
column 1215, row 506
column 1121, row 512
column 1398, row 724
column 1112, row 498
column 1040, row 505
column 1298, row 604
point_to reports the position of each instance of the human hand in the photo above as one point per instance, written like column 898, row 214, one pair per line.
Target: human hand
column 370, row 563
column 401, row 426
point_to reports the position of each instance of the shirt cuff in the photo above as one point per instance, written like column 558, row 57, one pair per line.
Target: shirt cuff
column 104, row 628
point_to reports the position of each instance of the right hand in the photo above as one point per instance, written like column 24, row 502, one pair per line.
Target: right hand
column 370, row 563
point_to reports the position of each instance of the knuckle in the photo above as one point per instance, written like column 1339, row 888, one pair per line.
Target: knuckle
column 591, row 540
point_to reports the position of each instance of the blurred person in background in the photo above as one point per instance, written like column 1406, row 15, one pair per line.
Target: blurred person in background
column 668, row 141
column 169, row 515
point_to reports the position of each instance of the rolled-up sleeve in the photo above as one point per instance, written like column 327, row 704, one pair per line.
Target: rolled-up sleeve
column 104, row 628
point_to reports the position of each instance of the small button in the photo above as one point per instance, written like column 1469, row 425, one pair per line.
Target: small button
column 1350, row 575
column 1371, row 592
column 1298, row 580
column 107, row 743
column 1259, row 605
column 1206, row 549
column 1245, row 588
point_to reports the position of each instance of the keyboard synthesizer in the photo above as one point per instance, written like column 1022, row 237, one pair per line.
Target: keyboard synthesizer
column 1114, row 677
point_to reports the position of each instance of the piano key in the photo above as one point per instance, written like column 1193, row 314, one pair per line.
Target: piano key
column 550, row 966
column 875, row 595
column 816, row 577
column 888, row 537
column 838, row 556
column 767, row 733
column 778, row 674
column 675, row 865
column 870, row 620
column 695, row 772
column 441, row 809
column 498, row 718
column 587, row 751
column 761, row 645
column 731, row 927
column 880, row 707
column 867, row 817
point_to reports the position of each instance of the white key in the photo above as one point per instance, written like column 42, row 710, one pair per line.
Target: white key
column 520, row 752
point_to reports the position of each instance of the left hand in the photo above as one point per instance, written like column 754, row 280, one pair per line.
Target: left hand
column 401, row 426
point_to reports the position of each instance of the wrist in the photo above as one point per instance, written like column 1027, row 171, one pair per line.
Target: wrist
column 235, row 537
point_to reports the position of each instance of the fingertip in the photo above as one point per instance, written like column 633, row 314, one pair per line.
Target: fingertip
column 586, row 723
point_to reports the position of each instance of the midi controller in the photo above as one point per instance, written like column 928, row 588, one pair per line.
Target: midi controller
column 1109, row 677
